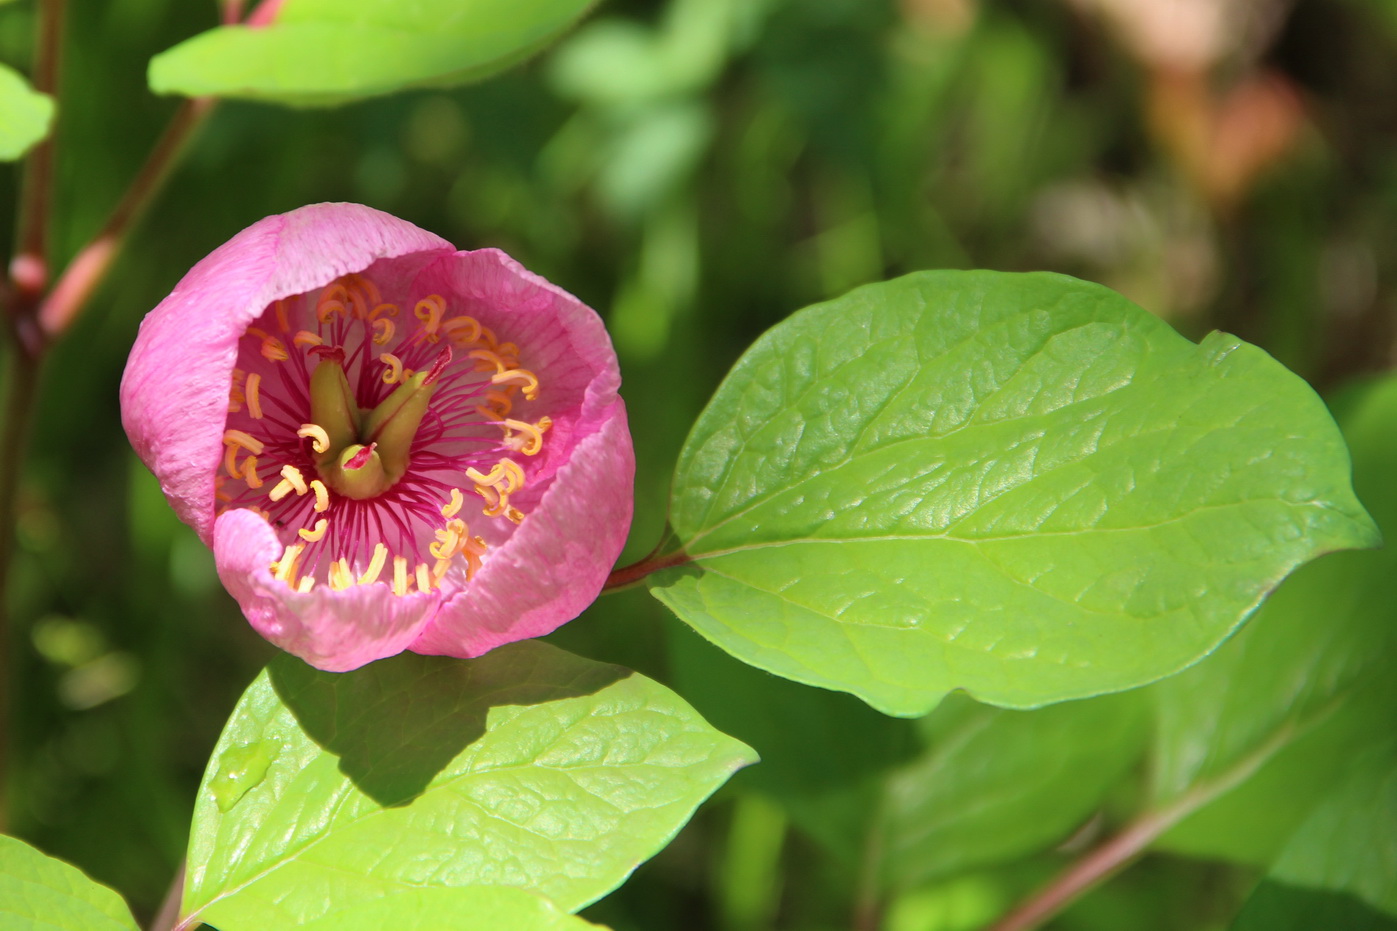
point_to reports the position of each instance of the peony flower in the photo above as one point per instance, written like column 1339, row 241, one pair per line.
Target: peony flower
column 389, row 444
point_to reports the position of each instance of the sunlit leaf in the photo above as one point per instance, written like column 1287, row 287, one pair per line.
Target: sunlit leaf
column 1249, row 739
column 25, row 115
column 1019, row 485
column 39, row 893
column 468, row 908
column 331, row 51
column 528, row 767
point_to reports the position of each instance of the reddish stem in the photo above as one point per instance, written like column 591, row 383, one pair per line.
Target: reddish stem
column 630, row 575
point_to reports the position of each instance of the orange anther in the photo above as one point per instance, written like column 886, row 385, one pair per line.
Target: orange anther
column 316, row 534
column 394, row 373
column 307, row 338
column 523, row 377
column 253, row 395
column 319, row 439
column 246, row 440
column 383, row 331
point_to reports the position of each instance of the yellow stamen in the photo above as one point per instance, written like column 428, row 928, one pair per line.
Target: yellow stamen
column 462, row 330
column 319, row 439
column 306, row 584
column 254, row 481
column 429, row 311
column 448, row 542
column 400, row 575
column 340, row 576
column 254, row 396
column 487, row 360
column 439, row 570
column 532, row 441
column 384, row 330
column 294, row 476
column 473, row 549
column 322, row 495
column 280, row 490
column 515, row 515
column 424, row 579
column 487, row 337
column 508, row 351
column 284, row 568
column 331, row 302
column 281, row 321
column 495, row 476
column 314, row 536
column 522, row 377
column 390, row 310
column 265, row 515
column 230, row 461
column 380, row 557
column 450, row 508
column 497, row 405
column 246, row 440
column 395, row 368
column 307, row 338
column 274, row 350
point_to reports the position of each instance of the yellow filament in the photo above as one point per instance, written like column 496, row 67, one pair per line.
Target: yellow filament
column 429, row 311
column 246, row 440
column 280, row 490
column 319, row 439
column 307, row 338
column 281, row 320
column 450, row 508
column 306, row 584
column 384, row 330
column 254, row 481
column 340, row 576
column 254, row 396
column 315, row 535
column 400, row 575
column 274, row 350
column 322, row 495
column 285, row 567
column 486, row 360
column 522, row 377
column 455, row 325
column 293, row 475
column 395, row 368
column 533, row 436
column 497, row 405
column 380, row 557
column 424, row 579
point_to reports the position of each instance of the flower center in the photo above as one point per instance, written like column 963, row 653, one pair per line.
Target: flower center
column 378, row 436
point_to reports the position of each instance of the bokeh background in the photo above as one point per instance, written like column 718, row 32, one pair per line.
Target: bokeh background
column 696, row 170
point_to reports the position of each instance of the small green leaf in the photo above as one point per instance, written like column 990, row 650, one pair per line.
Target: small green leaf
column 39, row 893
column 528, row 767
column 469, row 908
column 319, row 52
column 1019, row 485
column 25, row 115
column 1250, row 738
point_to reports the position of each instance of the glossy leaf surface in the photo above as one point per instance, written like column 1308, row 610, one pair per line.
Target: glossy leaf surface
column 1020, row 485
column 40, row 893
column 528, row 767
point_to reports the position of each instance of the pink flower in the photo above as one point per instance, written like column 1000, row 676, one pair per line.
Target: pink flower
column 388, row 443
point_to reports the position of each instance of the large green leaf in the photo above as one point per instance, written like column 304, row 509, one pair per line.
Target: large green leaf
column 1275, row 906
column 1019, row 485
column 1249, row 739
column 25, row 115
column 39, row 893
column 331, row 51
column 528, row 767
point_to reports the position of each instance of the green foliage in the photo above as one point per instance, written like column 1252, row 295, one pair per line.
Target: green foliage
column 321, row 52
column 1247, row 741
column 39, row 893
column 1022, row 486
column 464, row 908
column 25, row 115
column 527, row 768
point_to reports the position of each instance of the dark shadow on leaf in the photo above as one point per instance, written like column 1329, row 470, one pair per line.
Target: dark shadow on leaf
column 397, row 723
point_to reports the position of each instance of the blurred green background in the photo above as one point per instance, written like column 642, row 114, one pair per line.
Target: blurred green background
column 695, row 170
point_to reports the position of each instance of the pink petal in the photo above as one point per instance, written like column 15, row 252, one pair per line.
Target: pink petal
column 174, row 393
column 334, row 631
column 554, row 566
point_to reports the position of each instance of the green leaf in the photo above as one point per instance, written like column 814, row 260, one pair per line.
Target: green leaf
column 39, row 893
column 1275, row 906
column 1019, row 485
column 319, row 52
column 468, row 908
column 1348, row 844
column 25, row 115
column 1249, row 739
column 528, row 767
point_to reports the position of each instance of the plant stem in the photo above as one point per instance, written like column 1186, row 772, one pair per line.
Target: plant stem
column 92, row 262
column 628, row 576
column 165, row 919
